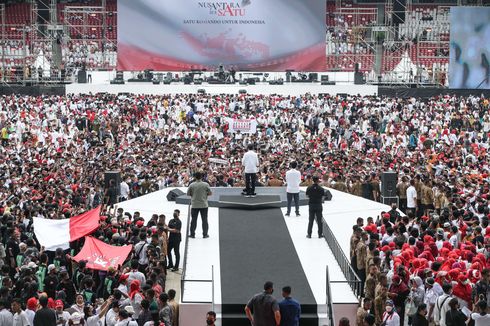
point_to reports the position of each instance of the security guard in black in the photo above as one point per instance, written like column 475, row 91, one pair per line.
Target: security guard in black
column 315, row 195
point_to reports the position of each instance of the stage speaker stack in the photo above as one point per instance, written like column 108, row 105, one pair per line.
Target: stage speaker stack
column 388, row 188
column 325, row 81
column 119, row 80
column 113, row 175
column 82, row 77
column 173, row 194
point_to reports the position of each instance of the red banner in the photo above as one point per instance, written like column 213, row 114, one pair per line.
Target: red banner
column 100, row 256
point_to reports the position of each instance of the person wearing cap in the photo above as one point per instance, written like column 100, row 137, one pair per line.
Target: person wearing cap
column 51, row 281
column 31, row 308
column 76, row 318
column 199, row 191
column 390, row 316
column 430, row 297
column 62, row 316
column 315, row 194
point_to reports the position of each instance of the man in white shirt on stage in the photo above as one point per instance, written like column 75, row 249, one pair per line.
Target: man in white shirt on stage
column 293, row 179
column 250, row 162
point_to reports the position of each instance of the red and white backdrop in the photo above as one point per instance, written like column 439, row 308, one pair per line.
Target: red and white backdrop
column 256, row 35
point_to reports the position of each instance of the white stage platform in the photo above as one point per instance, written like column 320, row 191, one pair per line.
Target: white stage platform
column 292, row 89
column 342, row 212
column 314, row 253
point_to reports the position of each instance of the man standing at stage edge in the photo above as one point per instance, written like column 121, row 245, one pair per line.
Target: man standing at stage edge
column 199, row 192
column 315, row 195
column 290, row 309
column 293, row 179
column 263, row 309
column 250, row 162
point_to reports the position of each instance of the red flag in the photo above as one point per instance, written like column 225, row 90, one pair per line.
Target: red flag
column 84, row 224
column 99, row 255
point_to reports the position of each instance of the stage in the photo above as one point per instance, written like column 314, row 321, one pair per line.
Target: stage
column 248, row 247
column 291, row 89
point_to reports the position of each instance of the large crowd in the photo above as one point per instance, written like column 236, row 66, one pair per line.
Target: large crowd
column 55, row 150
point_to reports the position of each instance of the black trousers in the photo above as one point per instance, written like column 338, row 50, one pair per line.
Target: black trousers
column 250, row 179
column 403, row 205
column 204, row 216
column 315, row 213
column 290, row 197
column 175, row 246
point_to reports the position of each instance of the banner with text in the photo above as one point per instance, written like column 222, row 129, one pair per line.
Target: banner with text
column 257, row 35
column 245, row 126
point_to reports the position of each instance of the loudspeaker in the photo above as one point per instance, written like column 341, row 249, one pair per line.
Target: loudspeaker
column 328, row 195
column 113, row 175
column 201, row 91
column 251, row 81
column 359, row 78
column 388, row 184
column 242, row 91
column 82, row 76
column 356, row 67
column 173, row 194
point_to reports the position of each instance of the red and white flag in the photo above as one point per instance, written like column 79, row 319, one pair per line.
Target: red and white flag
column 99, row 255
column 53, row 234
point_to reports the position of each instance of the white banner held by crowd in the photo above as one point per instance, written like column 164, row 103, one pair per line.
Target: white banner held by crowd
column 245, row 126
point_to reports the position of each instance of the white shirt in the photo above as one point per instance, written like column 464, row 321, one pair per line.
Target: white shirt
column 481, row 320
column 411, row 197
column 30, row 316
column 251, row 162
column 6, row 317
column 127, row 322
column 440, row 309
column 92, row 321
column 391, row 320
column 20, row 319
column 293, row 179
column 124, row 189
column 111, row 318
column 65, row 315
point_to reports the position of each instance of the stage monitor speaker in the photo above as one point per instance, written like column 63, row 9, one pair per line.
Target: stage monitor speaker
column 155, row 82
column 328, row 195
column 251, row 81
column 167, row 82
column 388, row 184
column 113, row 175
column 82, row 76
column 173, row 194
column 359, row 78
column 201, row 91
column 328, row 83
column 324, row 78
column 313, row 76
column 242, row 91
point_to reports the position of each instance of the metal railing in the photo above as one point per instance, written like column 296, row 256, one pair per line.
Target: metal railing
column 331, row 317
column 352, row 279
column 183, row 280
